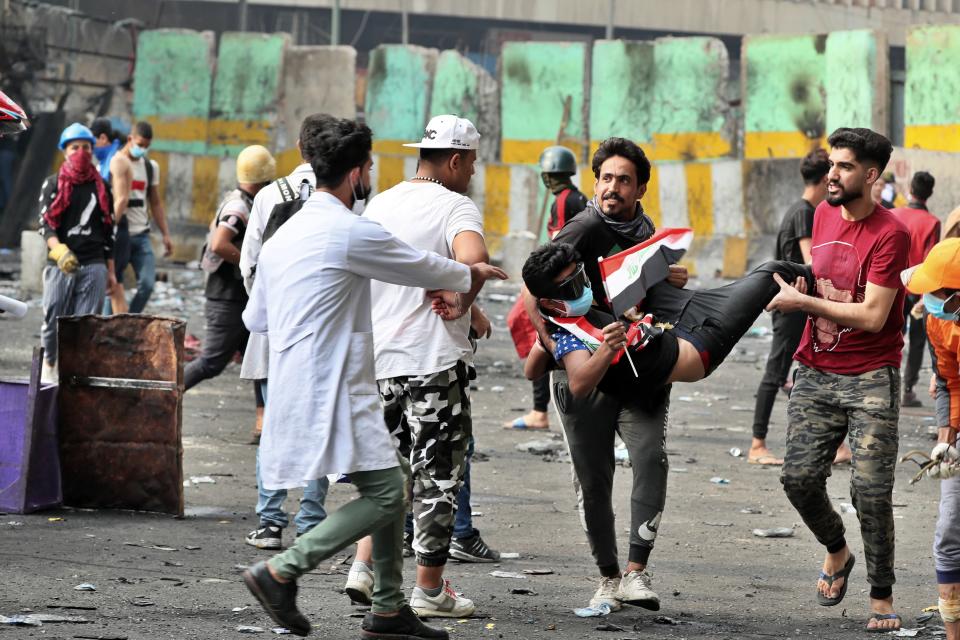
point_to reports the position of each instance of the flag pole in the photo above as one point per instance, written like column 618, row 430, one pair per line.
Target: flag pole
column 630, row 360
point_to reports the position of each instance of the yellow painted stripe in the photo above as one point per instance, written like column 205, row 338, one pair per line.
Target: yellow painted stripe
column 587, row 182
column 182, row 129
column 699, row 198
column 287, row 161
column 651, row 199
column 688, row 146
column 239, row 132
column 389, row 172
column 735, row 249
column 778, row 144
column 933, row 137
column 496, row 209
column 394, row 147
column 528, row 151
column 206, row 189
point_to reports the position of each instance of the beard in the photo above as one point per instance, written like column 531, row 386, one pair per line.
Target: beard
column 843, row 197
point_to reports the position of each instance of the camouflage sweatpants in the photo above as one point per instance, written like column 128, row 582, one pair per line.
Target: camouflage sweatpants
column 823, row 409
column 429, row 417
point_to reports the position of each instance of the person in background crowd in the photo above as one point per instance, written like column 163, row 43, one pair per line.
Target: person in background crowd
column 76, row 225
column 793, row 244
column 924, row 228
column 136, row 181
column 558, row 165
column 106, row 147
column 224, row 292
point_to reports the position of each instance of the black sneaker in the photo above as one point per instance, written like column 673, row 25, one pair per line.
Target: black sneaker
column 408, row 545
column 268, row 537
column 405, row 624
column 279, row 599
column 472, row 549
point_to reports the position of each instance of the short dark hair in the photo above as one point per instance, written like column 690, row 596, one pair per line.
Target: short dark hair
column 102, row 126
column 921, row 185
column 814, row 166
column 866, row 145
column 626, row 149
column 334, row 146
column 544, row 264
column 439, row 156
column 144, row 130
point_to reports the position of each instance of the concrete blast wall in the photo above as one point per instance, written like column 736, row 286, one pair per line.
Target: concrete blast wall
column 399, row 80
column 465, row 89
column 931, row 101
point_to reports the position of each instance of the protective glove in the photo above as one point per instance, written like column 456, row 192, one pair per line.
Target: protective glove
column 65, row 259
column 943, row 470
column 944, row 451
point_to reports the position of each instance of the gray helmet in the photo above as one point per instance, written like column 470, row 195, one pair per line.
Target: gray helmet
column 558, row 159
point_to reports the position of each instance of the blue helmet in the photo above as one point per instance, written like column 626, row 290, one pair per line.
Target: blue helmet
column 76, row 131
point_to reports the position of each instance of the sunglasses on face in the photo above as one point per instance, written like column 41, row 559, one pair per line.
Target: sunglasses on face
column 572, row 287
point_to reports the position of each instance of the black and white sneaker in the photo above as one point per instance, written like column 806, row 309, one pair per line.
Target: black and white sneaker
column 268, row 537
column 408, row 545
column 472, row 549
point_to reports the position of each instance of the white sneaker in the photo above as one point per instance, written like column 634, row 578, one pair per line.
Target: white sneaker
column 635, row 589
column 607, row 594
column 449, row 604
column 360, row 584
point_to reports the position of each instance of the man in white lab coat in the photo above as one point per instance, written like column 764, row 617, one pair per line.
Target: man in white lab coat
column 311, row 296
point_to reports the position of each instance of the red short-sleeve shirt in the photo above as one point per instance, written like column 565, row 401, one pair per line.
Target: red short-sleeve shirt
column 847, row 255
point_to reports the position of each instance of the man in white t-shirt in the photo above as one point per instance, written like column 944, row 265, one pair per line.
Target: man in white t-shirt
column 423, row 360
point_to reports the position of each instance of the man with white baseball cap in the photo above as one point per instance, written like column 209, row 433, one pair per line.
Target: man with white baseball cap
column 424, row 361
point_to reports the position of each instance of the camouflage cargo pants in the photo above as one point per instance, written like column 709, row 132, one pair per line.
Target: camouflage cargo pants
column 823, row 409
column 429, row 417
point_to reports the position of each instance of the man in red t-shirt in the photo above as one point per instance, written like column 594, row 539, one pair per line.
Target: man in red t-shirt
column 849, row 376
column 924, row 228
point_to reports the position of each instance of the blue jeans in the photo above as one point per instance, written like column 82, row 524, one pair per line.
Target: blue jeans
column 463, row 522
column 270, row 501
column 144, row 265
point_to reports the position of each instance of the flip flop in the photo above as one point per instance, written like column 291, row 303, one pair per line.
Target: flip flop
column 844, row 573
column 523, row 426
column 767, row 459
column 883, row 616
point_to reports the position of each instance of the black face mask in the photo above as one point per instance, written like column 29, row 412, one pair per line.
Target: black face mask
column 573, row 287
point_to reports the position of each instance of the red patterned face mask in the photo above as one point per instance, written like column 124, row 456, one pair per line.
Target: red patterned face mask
column 77, row 169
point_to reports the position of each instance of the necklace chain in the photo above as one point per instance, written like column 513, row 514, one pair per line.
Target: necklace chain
column 427, row 179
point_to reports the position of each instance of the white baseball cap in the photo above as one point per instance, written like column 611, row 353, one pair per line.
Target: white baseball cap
column 448, row 132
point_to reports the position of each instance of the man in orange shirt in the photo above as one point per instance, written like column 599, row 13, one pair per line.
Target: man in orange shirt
column 937, row 279
column 924, row 230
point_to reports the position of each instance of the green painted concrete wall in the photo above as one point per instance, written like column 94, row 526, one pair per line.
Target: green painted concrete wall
column 172, row 82
column 537, row 78
column 851, row 80
column 673, row 100
column 465, row 89
column 783, row 93
column 399, row 79
column 932, row 91
column 246, row 90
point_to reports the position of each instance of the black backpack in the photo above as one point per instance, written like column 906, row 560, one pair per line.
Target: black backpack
column 282, row 211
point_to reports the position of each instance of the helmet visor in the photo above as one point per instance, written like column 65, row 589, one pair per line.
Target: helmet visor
column 572, row 287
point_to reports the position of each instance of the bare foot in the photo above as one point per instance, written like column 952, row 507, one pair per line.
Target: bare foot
column 844, row 454
column 833, row 564
column 881, row 607
column 533, row 420
column 759, row 454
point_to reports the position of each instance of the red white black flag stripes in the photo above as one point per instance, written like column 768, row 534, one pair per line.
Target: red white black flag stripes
column 628, row 274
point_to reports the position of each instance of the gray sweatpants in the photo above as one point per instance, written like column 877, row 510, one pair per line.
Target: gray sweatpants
column 590, row 425
column 946, row 540
column 77, row 294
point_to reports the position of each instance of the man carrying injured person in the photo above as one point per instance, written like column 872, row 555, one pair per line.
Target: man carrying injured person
column 683, row 337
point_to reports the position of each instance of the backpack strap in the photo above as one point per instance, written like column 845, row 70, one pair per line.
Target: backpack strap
column 286, row 191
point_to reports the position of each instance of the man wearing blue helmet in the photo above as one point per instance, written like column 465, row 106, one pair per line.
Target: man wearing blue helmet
column 76, row 224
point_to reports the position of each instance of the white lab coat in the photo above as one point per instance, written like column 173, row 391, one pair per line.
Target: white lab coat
column 256, row 355
column 311, row 295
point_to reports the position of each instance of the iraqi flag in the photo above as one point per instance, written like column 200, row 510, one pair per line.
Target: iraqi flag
column 584, row 329
column 628, row 274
